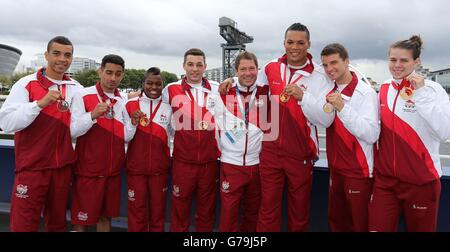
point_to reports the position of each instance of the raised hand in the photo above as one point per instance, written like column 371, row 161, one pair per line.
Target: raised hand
column 51, row 97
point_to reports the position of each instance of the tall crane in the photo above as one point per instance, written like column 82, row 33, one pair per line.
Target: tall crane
column 236, row 41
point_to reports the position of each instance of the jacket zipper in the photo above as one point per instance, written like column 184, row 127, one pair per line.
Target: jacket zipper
column 393, row 130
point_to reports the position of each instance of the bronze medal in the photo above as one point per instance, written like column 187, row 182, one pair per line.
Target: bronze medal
column 284, row 97
column 328, row 108
column 144, row 121
column 406, row 93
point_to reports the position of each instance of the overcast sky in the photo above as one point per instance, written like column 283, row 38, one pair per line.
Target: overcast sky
column 158, row 32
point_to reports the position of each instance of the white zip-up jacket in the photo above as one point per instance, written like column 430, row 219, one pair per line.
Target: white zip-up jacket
column 42, row 136
column 355, row 130
column 411, row 132
column 100, row 143
column 241, row 145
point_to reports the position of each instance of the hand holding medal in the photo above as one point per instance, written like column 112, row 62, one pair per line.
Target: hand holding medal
column 334, row 102
column 62, row 104
column 291, row 90
column 416, row 80
column 138, row 117
column 99, row 110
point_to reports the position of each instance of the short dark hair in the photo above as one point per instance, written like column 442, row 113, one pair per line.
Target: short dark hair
column 59, row 40
column 333, row 49
column 298, row 27
column 195, row 52
column 152, row 71
column 114, row 59
column 245, row 55
column 414, row 43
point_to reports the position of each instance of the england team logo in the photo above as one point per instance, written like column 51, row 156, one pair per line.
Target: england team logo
column 82, row 216
column 176, row 191
column 21, row 191
column 163, row 119
column 131, row 195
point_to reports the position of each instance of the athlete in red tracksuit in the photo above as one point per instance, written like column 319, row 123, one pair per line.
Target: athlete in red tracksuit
column 148, row 157
column 35, row 110
column 350, row 143
column 298, row 86
column 241, row 116
column 413, row 123
column 195, row 152
column 102, row 126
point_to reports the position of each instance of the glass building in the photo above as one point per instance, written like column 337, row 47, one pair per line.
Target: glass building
column 9, row 57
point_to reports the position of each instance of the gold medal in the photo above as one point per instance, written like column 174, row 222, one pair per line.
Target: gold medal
column 202, row 125
column 406, row 93
column 284, row 97
column 144, row 121
column 328, row 108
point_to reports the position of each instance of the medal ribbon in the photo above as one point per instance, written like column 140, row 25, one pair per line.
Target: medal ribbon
column 245, row 112
column 62, row 90
column 291, row 82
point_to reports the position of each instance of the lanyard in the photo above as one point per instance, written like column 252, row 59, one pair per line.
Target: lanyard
column 193, row 100
column 241, row 105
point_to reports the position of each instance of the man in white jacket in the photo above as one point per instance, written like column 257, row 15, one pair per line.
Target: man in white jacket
column 350, row 142
column 239, row 116
column 37, row 111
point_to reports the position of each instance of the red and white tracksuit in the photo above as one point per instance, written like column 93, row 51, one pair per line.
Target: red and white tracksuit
column 100, row 147
column 350, row 153
column 148, row 159
column 294, row 145
column 195, row 154
column 407, row 166
column 43, row 151
column 240, row 147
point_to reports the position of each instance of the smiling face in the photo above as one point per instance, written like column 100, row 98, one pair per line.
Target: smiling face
column 247, row 72
column 335, row 67
column 296, row 45
column 153, row 86
column 59, row 57
column 401, row 62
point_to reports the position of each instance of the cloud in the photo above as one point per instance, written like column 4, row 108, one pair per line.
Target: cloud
column 159, row 32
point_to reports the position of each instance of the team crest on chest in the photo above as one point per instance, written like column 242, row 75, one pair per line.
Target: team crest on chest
column 409, row 107
column 163, row 119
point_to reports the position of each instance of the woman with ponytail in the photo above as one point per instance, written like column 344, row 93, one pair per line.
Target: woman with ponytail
column 414, row 120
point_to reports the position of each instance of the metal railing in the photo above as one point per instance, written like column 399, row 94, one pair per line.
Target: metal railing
column 442, row 156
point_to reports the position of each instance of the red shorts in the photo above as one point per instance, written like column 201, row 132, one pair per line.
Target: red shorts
column 35, row 192
column 95, row 197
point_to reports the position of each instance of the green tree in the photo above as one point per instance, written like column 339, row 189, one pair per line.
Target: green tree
column 132, row 80
column 87, row 78
column 168, row 77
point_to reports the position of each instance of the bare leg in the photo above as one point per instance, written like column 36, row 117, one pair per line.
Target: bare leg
column 104, row 224
column 80, row 228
